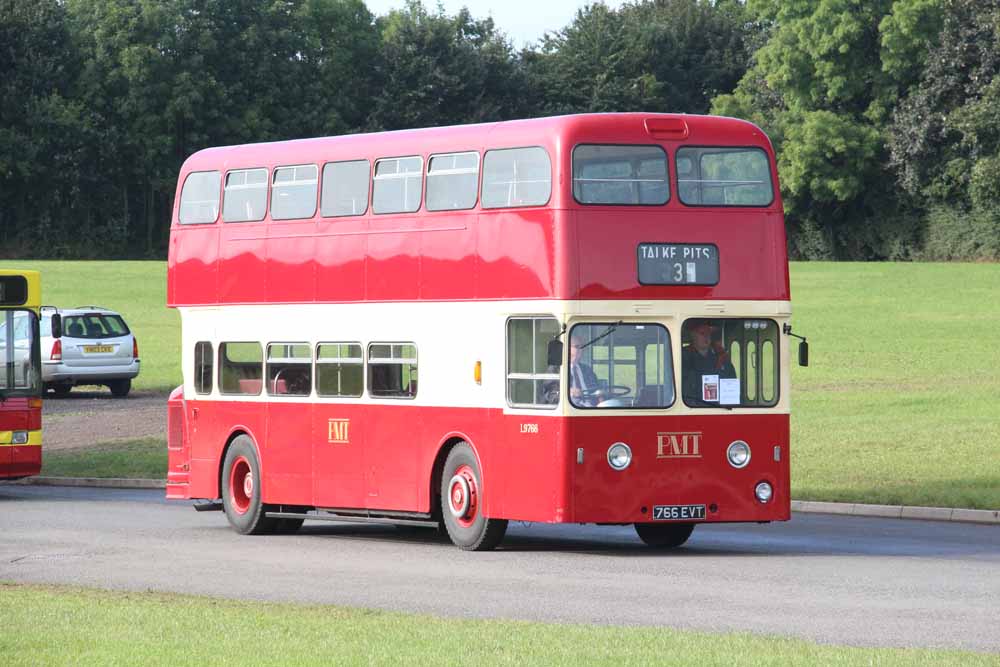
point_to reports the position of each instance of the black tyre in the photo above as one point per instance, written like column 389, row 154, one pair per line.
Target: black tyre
column 664, row 535
column 287, row 526
column 120, row 388
column 461, row 503
column 241, row 492
column 62, row 389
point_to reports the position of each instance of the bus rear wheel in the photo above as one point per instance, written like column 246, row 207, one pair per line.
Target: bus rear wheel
column 664, row 535
column 461, row 503
column 241, row 494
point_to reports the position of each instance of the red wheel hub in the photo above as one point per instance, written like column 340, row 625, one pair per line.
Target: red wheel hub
column 463, row 496
column 241, row 485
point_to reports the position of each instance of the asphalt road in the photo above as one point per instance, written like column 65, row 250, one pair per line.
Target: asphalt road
column 841, row 580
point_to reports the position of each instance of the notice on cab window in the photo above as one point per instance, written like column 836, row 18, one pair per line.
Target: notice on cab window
column 710, row 388
column 729, row 391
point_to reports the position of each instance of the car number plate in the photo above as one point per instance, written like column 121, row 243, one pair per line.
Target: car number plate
column 98, row 349
column 678, row 513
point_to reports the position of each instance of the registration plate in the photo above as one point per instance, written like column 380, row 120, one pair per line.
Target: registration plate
column 678, row 513
column 98, row 349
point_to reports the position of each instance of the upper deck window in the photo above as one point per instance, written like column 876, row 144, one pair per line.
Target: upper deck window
column 723, row 177
column 345, row 188
column 245, row 198
column 452, row 181
column 620, row 175
column 200, row 198
column 516, row 177
column 397, row 185
column 293, row 194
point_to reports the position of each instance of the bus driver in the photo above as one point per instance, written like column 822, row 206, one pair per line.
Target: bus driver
column 703, row 357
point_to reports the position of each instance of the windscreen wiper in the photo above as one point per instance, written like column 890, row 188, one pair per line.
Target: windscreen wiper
column 609, row 331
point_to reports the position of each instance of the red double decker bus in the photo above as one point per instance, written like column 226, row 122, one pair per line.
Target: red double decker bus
column 581, row 319
column 20, row 374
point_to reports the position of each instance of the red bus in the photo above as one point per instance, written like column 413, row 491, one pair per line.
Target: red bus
column 580, row 319
column 20, row 374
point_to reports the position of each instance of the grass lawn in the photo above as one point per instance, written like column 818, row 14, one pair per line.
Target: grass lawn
column 901, row 402
column 134, row 459
column 899, row 406
column 68, row 626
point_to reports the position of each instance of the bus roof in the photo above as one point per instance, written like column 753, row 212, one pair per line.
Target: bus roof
column 551, row 131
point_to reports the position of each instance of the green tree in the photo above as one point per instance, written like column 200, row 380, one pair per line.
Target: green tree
column 662, row 55
column 824, row 86
column 436, row 69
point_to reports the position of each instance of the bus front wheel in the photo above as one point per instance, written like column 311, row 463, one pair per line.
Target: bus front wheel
column 461, row 503
column 241, row 496
column 664, row 535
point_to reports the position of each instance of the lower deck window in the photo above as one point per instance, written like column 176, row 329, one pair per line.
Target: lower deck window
column 203, row 363
column 729, row 363
column 289, row 369
column 240, row 368
column 392, row 370
column 339, row 369
column 530, row 382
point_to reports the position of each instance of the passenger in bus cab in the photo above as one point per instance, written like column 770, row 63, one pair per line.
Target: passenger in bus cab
column 584, row 386
column 704, row 356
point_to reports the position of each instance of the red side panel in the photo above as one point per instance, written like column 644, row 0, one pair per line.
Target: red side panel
column 242, row 261
column 291, row 263
column 517, row 254
column 393, row 269
column 341, row 246
column 193, row 265
column 448, row 267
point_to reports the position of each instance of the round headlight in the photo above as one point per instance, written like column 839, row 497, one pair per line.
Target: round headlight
column 764, row 492
column 738, row 454
column 619, row 456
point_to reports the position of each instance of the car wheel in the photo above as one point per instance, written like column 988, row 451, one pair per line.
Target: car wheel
column 120, row 388
column 461, row 503
column 241, row 496
column 664, row 535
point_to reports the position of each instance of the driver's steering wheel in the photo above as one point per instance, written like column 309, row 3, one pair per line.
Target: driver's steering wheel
column 613, row 391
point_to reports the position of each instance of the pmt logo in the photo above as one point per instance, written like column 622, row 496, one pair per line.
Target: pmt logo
column 337, row 431
column 678, row 445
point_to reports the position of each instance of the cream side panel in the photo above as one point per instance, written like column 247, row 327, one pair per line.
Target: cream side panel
column 451, row 336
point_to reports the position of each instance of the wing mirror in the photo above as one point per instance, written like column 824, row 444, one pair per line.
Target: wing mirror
column 555, row 352
column 56, row 325
column 803, row 353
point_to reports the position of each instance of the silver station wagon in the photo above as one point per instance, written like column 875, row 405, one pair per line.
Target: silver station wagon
column 96, row 348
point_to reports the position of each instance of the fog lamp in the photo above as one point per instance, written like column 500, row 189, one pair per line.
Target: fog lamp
column 764, row 492
column 619, row 456
column 738, row 454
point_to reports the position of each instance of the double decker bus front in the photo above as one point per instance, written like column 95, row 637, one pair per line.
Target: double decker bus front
column 20, row 375
column 676, row 373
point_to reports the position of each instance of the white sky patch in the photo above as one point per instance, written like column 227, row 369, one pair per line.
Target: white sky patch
column 524, row 21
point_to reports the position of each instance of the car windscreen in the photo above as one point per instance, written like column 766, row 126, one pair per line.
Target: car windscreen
column 94, row 325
